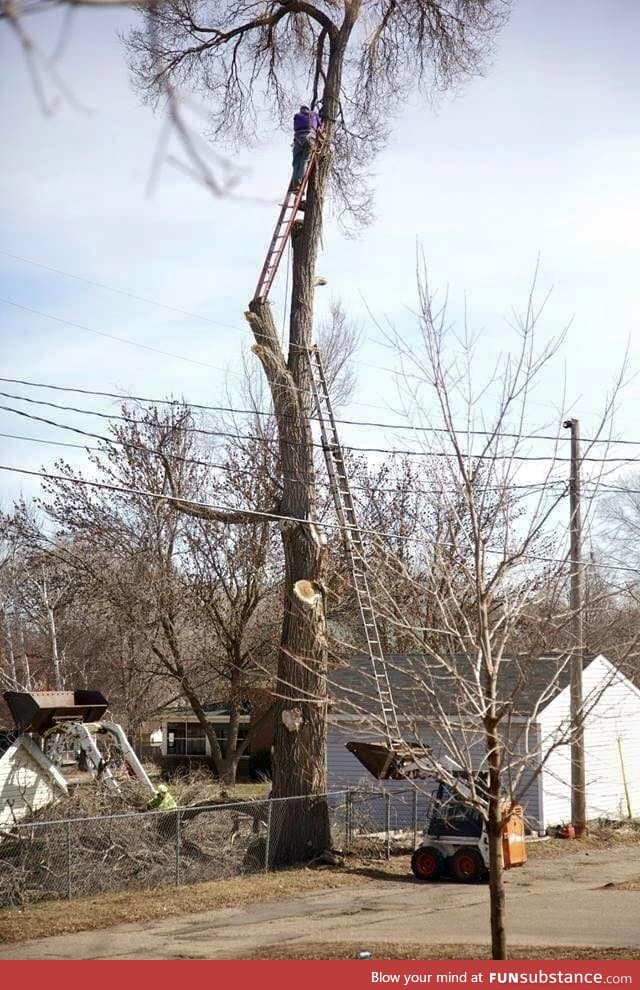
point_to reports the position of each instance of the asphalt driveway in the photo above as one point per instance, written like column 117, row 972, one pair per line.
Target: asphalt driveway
column 573, row 900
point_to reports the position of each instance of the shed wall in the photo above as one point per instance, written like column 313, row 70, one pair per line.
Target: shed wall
column 612, row 747
column 346, row 771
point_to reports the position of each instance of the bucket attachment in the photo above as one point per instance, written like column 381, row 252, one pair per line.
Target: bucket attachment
column 388, row 764
column 41, row 710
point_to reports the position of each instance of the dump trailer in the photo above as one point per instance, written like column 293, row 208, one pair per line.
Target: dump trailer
column 72, row 721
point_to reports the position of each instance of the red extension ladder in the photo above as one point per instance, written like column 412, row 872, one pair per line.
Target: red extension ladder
column 282, row 232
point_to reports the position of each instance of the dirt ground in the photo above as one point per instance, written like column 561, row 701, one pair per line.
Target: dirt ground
column 572, row 900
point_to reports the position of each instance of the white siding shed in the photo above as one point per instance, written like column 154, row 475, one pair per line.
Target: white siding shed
column 612, row 741
column 612, row 747
column 28, row 781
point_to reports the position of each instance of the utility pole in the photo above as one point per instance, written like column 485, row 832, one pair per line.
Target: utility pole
column 578, row 786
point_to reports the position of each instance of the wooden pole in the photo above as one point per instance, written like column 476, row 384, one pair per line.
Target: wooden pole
column 578, row 779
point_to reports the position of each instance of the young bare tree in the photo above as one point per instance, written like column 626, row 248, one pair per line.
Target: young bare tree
column 469, row 703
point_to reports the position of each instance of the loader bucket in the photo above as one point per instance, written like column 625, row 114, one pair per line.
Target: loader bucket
column 40, row 710
column 387, row 764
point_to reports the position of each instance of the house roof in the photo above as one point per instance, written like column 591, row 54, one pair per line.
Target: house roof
column 420, row 681
column 213, row 709
column 254, row 701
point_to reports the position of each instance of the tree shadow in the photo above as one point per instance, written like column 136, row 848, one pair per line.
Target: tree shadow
column 375, row 873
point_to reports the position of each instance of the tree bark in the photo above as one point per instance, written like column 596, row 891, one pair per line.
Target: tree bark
column 25, row 660
column 300, row 742
column 496, row 862
column 299, row 765
column 10, row 653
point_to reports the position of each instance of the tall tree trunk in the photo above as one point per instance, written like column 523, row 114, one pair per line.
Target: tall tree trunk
column 53, row 636
column 228, row 771
column 13, row 673
column 496, row 863
column 300, row 742
column 25, row 660
column 207, row 726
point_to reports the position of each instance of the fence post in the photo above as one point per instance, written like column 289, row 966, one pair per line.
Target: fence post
column 348, row 820
column 178, row 836
column 387, row 823
column 415, row 817
column 68, row 861
column 267, row 841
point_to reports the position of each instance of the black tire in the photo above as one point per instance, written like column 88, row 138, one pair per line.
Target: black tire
column 427, row 863
column 467, row 865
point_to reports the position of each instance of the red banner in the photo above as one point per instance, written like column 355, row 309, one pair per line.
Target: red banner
column 314, row 975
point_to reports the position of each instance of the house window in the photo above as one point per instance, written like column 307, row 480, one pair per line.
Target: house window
column 222, row 734
column 185, row 739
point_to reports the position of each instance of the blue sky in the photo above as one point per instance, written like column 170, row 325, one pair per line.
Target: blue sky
column 540, row 156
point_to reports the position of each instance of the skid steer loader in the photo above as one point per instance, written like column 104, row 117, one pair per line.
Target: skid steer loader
column 456, row 843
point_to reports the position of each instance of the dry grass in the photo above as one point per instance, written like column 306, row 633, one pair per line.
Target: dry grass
column 198, row 787
column 607, row 836
column 403, row 950
column 90, row 913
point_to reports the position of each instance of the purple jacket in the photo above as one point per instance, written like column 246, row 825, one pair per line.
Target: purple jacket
column 305, row 124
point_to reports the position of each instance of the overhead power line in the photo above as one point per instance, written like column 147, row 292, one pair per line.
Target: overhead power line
column 148, row 347
column 279, row 517
column 210, row 320
column 109, row 336
column 154, row 302
column 508, row 456
column 533, row 487
column 271, row 414
column 122, row 292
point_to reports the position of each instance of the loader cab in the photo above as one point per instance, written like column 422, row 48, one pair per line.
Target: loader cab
column 453, row 818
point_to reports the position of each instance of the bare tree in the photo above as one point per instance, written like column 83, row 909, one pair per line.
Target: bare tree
column 358, row 59
column 37, row 594
column 502, row 556
column 190, row 596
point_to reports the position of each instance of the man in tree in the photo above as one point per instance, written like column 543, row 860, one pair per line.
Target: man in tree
column 306, row 127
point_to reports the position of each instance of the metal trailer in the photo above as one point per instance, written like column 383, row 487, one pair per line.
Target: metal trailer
column 72, row 721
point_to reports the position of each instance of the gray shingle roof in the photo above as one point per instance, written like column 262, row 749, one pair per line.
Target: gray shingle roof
column 417, row 678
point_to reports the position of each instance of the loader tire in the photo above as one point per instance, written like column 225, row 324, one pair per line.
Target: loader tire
column 467, row 866
column 427, row 863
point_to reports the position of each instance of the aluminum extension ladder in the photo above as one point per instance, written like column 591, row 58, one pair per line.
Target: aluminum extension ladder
column 283, row 229
column 343, row 501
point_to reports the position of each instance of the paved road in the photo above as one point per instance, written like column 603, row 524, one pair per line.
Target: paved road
column 554, row 902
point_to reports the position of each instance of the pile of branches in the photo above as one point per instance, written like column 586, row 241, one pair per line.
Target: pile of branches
column 94, row 842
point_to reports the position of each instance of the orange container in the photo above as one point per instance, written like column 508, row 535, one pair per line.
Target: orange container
column 514, row 850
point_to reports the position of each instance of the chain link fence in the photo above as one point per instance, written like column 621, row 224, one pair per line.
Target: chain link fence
column 87, row 856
